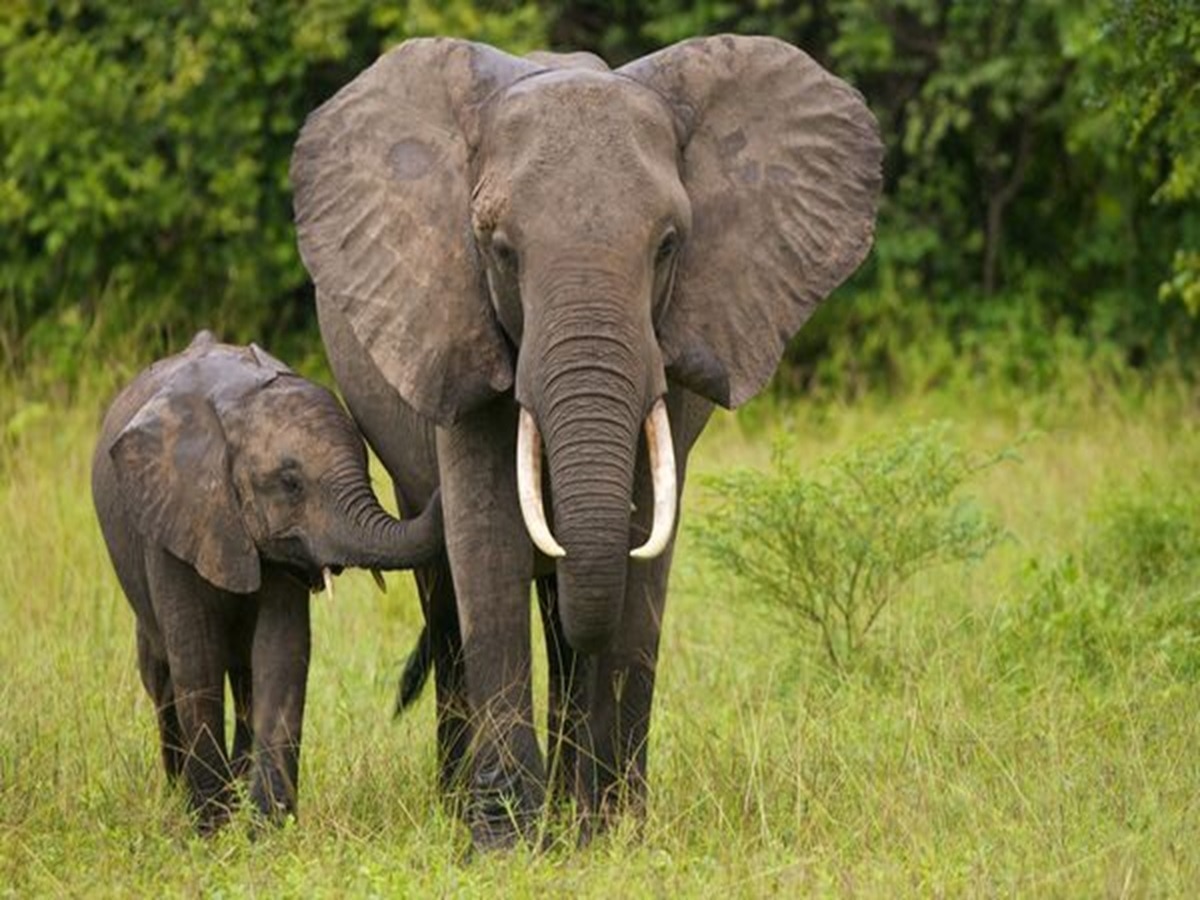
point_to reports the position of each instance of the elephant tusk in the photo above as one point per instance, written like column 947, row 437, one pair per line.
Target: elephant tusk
column 377, row 577
column 529, row 486
column 662, row 469
column 328, row 576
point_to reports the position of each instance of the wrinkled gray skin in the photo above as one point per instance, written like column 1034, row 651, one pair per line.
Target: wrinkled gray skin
column 487, row 233
column 224, row 483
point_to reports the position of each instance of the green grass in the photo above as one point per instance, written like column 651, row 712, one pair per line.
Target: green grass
column 1025, row 726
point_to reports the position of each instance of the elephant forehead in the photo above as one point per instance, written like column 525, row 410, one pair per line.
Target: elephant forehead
column 577, row 115
column 583, row 149
column 300, row 406
column 294, row 417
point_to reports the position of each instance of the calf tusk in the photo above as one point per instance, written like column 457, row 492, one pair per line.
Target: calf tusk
column 529, row 486
column 328, row 576
column 662, row 471
column 377, row 577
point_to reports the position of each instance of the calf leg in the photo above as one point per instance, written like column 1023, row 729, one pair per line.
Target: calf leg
column 156, row 677
column 189, row 612
column 279, row 663
column 241, row 687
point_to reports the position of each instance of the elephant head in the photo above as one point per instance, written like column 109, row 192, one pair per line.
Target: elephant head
column 581, row 236
column 235, row 459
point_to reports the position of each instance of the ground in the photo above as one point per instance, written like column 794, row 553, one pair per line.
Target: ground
column 1026, row 725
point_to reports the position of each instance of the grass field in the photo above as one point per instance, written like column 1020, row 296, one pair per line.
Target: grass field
column 1028, row 725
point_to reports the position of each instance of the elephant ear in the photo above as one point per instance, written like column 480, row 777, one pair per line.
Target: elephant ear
column 782, row 163
column 382, row 203
column 273, row 365
column 173, row 471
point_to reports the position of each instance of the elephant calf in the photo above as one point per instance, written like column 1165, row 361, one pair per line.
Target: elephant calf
column 228, row 488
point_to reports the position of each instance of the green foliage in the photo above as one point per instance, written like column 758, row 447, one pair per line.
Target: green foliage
column 1155, row 79
column 965, row 91
column 1041, row 165
column 1147, row 533
column 1128, row 595
column 144, row 152
column 1042, row 176
column 886, row 340
column 829, row 551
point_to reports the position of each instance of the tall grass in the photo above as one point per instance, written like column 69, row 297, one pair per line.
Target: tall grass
column 978, row 751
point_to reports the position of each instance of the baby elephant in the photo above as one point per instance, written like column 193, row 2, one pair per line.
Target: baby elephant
column 227, row 488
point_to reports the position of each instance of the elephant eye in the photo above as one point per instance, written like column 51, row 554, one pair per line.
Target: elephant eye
column 291, row 483
column 666, row 247
column 504, row 254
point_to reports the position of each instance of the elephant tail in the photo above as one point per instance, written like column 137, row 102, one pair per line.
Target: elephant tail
column 415, row 674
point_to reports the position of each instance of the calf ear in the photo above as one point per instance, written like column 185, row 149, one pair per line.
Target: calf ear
column 266, row 361
column 173, row 472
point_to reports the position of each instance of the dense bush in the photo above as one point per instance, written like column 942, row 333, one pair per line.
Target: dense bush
column 1043, row 165
column 144, row 154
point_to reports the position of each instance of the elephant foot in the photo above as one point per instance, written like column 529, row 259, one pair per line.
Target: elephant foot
column 212, row 805
column 212, row 816
column 273, row 796
column 623, row 800
column 504, row 811
column 241, row 767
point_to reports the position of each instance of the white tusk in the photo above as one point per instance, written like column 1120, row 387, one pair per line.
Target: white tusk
column 662, row 470
column 328, row 576
column 377, row 577
column 529, row 486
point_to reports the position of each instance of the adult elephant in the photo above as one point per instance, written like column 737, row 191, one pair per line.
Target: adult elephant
column 584, row 252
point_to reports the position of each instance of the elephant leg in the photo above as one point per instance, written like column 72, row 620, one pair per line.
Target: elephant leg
column 492, row 564
column 620, row 695
column 280, row 655
column 453, row 716
column 620, row 680
column 441, row 643
column 565, row 707
column 156, row 677
column 241, row 687
column 190, row 615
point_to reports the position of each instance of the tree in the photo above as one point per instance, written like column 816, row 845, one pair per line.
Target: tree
column 144, row 150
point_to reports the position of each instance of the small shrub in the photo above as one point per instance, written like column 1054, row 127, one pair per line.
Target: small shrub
column 830, row 550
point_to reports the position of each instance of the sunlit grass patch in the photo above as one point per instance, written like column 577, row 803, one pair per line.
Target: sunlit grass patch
column 973, row 750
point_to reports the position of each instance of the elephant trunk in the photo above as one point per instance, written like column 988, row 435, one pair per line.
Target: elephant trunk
column 365, row 535
column 587, row 392
column 590, row 453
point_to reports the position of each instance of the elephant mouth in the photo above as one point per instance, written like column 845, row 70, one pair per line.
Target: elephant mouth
column 321, row 579
column 292, row 553
column 314, row 579
column 663, row 478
